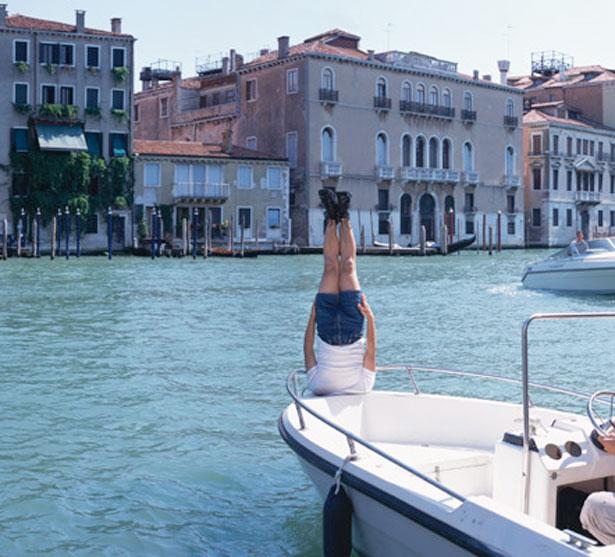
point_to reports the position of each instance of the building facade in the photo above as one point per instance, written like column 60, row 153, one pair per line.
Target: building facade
column 66, row 88
column 407, row 134
column 239, row 188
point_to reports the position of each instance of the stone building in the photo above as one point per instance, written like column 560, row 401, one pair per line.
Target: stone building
column 408, row 134
column 66, row 88
column 238, row 187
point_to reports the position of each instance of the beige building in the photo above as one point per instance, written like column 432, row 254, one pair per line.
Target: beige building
column 239, row 188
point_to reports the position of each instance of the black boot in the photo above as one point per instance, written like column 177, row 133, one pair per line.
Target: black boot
column 343, row 204
column 329, row 201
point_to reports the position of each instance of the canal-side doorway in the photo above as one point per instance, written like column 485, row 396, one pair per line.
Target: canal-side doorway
column 427, row 210
column 585, row 223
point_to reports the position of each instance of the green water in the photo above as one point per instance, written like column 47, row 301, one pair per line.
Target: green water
column 139, row 399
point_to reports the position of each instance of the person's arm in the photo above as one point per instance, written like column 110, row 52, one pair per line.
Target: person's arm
column 369, row 359
column 308, row 341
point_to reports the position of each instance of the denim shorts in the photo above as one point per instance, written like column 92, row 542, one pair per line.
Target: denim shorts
column 338, row 320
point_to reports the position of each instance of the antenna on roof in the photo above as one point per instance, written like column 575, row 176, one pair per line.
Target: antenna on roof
column 549, row 62
column 388, row 29
column 507, row 35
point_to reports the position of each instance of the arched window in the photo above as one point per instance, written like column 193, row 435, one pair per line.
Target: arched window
column 406, row 91
column 420, row 93
column 433, row 153
column 434, row 98
column 468, row 101
column 328, row 145
column 381, row 87
column 447, row 101
column 406, row 150
column 510, row 108
column 419, row 158
column 405, row 214
column 468, row 157
column 446, row 154
column 327, row 81
column 382, row 150
column 509, row 166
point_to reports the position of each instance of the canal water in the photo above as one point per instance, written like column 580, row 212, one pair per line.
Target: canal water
column 139, row 399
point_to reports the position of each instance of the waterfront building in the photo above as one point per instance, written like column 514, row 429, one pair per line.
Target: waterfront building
column 66, row 88
column 569, row 148
column 409, row 135
column 240, row 189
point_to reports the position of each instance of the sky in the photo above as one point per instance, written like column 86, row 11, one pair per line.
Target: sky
column 473, row 33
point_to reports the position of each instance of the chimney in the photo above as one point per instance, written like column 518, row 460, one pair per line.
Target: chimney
column 227, row 141
column 475, row 74
column 283, row 48
column 487, row 77
column 80, row 20
column 116, row 25
column 3, row 14
column 263, row 51
column 232, row 60
column 370, row 54
column 225, row 65
column 238, row 61
column 503, row 66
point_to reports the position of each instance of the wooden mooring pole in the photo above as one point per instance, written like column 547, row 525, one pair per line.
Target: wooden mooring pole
column 390, row 237
column 423, row 240
column 445, row 238
column 5, row 239
column 484, row 231
column 35, row 238
column 499, row 232
column 491, row 240
column 184, row 236
column 362, row 238
column 206, row 234
column 19, row 232
column 258, row 233
column 54, row 232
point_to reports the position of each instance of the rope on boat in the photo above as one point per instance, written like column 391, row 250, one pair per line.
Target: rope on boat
column 338, row 475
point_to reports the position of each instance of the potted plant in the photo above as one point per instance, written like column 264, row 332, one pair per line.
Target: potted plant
column 22, row 67
column 93, row 111
column 93, row 70
column 22, row 108
column 51, row 68
column 119, row 114
column 119, row 74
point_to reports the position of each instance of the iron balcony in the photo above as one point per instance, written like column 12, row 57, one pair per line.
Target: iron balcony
column 330, row 169
column 328, row 95
column 511, row 121
column 468, row 115
column 215, row 193
column 382, row 103
column 426, row 109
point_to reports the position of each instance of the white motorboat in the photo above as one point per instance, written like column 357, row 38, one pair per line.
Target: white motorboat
column 434, row 475
column 592, row 271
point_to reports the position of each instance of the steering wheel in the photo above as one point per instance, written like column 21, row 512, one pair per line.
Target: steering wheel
column 600, row 425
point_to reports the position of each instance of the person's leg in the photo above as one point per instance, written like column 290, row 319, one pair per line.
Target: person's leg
column 348, row 248
column 351, row 320
column 327, row 312
column 329, row 283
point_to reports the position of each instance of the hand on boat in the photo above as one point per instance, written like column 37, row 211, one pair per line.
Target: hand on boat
column 608, row 443
column 364, row 308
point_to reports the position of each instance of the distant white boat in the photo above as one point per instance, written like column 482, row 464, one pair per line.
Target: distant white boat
column 592, row 271
column 431, row 475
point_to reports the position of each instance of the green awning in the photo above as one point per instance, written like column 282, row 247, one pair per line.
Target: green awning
column 60, row 138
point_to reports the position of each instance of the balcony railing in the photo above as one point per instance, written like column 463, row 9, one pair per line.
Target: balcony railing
column 330, row 169
column 534, row 153
column 452, row 176
column 592, row 197
column 385, row 172
column 215, row 192
column 382, row 103
column 511, row 181
column 426, row 109
column 468, row 115
column 511, row 121
column 328, row 95
column 471, row 177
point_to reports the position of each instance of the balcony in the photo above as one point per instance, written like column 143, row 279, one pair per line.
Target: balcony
column 412, row 107
column 382, row 103
column 150, row 195
column 588, row 197
column 385, row 173
column 468, row 116
column 211, row 193
column 439, row 175
column 511, row 181
column 409, row 174
column 330, row 170
column 328, row 96
column 471, row 178
column 452, row 176
column 511, row 121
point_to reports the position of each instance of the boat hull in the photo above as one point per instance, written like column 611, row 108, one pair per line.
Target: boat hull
column 599, row 280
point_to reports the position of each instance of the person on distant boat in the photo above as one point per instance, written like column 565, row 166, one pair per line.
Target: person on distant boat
column 598, row 512
column 578, row 245
column 346, row 360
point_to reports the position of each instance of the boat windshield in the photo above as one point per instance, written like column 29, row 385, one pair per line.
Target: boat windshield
column 603, row 244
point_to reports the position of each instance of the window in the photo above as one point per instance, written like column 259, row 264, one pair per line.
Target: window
column 274, row 218
column 586, row 146
column 578, row 147
column 67, row 55
column 19, row 140
column 536, row 144
column 612, row 224
column 511, row 228
column 555, row 217
column 21, row 94
column 381, row 87
column 164, row 107
column 251, row 90
column 215, row 174
column 67, row 95
column 569, row 180
column 569, row 146
column 468, row 101
column 244, row 217
column 469, row 201
column 151, row 174
column 274, row 178
column 94, row 143
column 406, row 91
column 612, row 152
column 91, row 97
column 91, row 223
column 118, row 57
column 251, row 143
column 612, row 190
column 601, row 218
column 591, row 148
column 446, row 98
column 406, row 150
column 118, row 145
column 600, row 182
column 49, row 53
column 136, row 112
column 215, row 98
column 21, row 51
column 328, row 145
column 555, row 179
column 92, row 56
column 405, row 214
column 433, row 153
column 446, row 154
column 182, row 173
column 469, row 226
column 292, row 139
column 568, row 217
column 510, row 203
column 535, row 217
column 434, row 98
column 383, row 215
column 203, row 101
column 419, row 157
column 292, row 81
column 536, row 178
column 117, row 99
column 327, row 81
column 468, row 157
column 509, row 164
column 382, row 150
column 420, row 93
column 230, row 96
column 556, row 144
column 48, row 94
column 244, row 177
column 510, row 107
column 600, row 149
